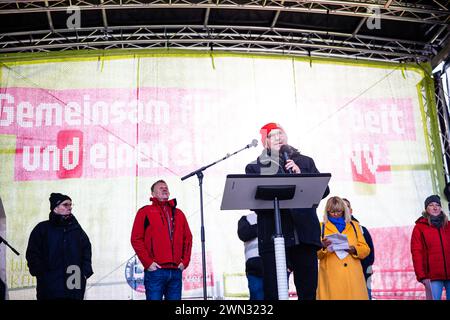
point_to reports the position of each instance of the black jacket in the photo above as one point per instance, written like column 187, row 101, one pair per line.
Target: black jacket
column 247, row 232
column 53, row 246
column 301, row 223
column 370, row 259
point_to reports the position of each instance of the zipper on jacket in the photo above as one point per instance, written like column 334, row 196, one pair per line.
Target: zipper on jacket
column 173, row 241
column 443, row 253
column 427, row 255
column 171, row 232
column 168, row 226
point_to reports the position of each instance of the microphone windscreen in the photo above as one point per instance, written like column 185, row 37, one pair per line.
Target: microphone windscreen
column 285, row 148
column 286, row 152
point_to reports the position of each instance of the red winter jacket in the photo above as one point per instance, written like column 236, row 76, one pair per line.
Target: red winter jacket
column 430, row 249
column 150, row 236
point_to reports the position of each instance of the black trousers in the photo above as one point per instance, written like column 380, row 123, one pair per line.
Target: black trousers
column 2, row 290
column 303, row 263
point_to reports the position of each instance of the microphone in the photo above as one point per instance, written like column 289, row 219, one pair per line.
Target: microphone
column 254, row 143
column 285, row 150
column 199, row 173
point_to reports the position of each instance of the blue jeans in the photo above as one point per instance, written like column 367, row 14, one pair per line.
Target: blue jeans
column 255, row 286
column 437, row 286
column 163, row 282
column 369, row 285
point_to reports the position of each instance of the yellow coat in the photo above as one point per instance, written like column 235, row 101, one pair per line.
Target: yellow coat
column 343, row 279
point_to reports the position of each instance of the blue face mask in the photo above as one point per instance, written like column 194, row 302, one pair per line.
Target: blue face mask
column 338, row 222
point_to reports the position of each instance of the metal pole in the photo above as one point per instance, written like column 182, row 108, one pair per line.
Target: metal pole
column 280, row 255
column 202, row 233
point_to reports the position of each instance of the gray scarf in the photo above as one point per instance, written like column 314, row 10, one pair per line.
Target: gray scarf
column 437, row 221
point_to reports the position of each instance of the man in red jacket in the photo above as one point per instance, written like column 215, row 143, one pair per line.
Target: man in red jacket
column 163, row 241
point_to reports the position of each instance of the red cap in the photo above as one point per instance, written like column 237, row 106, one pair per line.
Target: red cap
column 265, row 130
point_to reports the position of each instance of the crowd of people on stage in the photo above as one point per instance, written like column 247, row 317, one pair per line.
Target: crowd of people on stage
column 323, row 266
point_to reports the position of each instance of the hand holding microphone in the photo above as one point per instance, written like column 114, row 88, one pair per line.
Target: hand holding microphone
column 291, row 167
column 286, row 151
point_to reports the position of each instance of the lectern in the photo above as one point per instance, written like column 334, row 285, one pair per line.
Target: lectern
column 281, row 191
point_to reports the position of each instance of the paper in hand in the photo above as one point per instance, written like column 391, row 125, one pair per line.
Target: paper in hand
column 339, row 243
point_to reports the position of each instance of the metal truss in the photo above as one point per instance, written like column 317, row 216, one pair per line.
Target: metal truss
column 434, row 135
column 237, row 38
column 391, row 10
column 444, row 123
column 284, row 41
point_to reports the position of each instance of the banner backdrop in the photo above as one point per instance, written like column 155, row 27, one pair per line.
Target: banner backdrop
column 102, row 129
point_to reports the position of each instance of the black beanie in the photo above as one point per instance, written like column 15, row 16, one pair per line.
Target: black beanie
column 56, row 199
column 432, row 198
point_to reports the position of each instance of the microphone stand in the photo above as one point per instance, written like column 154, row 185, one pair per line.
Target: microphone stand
column 199, row 173
column 5, row 242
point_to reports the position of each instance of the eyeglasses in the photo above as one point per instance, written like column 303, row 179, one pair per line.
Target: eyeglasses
column 67, row 205
column 276, row 135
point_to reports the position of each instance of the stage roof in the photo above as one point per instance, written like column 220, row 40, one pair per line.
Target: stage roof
column 399, row 31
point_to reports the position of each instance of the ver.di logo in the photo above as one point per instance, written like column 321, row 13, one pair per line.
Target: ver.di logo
column 134, row 273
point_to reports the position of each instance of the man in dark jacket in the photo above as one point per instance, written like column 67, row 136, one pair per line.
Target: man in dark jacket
column 59, row 253
column 300, row 227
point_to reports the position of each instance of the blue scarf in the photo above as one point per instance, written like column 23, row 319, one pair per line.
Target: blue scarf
column 338, row 222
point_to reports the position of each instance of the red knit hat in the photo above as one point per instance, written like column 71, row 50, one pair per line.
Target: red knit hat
column 265, row 130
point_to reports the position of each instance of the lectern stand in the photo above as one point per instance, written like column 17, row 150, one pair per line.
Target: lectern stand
column 282, row 191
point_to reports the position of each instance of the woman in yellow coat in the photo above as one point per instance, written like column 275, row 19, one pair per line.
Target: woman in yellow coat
column 341, row 278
